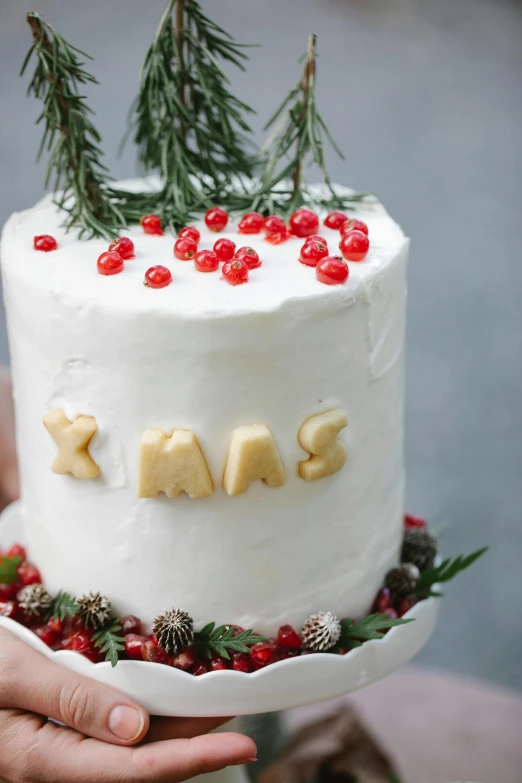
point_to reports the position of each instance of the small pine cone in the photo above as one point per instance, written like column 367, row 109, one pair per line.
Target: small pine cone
column 321, row 631
column 95, row 611
column 402, row 581
column 419, row 547
column 35, row 601
column 174, row 629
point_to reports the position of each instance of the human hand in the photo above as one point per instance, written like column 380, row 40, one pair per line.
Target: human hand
column 104, row 725
column 8, row 462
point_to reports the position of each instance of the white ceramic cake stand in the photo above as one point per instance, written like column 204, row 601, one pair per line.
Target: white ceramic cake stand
column 163, row 690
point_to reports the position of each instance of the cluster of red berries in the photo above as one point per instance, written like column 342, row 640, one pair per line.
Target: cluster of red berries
column 71, row 634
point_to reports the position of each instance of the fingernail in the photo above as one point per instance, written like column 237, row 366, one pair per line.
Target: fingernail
column 250, row 760
column 126, row 723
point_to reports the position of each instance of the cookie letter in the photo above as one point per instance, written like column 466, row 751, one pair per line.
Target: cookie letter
column 252, row 455
column 173, row 465
column 72, row 439
column 318, row 435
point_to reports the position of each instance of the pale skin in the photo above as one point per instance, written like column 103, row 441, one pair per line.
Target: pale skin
column 107, row 738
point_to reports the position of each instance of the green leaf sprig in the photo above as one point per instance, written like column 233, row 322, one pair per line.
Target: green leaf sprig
column 444, row 572
column 9, row 569
column 355, row 632
column 223, row 640
column 110, row 642
column 65, row 605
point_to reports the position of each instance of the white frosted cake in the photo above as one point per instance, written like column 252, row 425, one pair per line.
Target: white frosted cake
column 234, row 372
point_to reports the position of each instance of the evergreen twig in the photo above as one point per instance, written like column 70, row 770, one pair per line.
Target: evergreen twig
column 75, row 168
column 224, row 639
column 355, row 632
column 110, row 642
column 9, row 569
column 444, row 572
column 65, row 605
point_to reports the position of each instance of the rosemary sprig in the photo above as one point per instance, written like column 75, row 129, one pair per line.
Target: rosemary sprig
column 185, row 120
column 444, row 572
column 110, row 642
column 75, row 167
column 9, row 569
column 223, row 640
column 355, row 632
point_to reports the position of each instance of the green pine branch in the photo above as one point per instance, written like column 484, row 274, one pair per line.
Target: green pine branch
column 75, row 168
column 223, row 640
column 9, row 569
column 185, row 120
column 444, row 572
column 355, row 632
column 110, row 642
column 65, row 605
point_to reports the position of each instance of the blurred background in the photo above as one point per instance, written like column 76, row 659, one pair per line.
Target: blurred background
column 425, row 99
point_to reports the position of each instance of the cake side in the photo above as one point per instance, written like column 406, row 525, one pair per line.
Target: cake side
column 208, row 358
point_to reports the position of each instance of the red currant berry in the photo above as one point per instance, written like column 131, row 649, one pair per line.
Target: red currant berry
column 411, row 521
column 224, row 249
column 216, row 219
column 316, row 238
column 47, row 636
column 240, row 662
column 335, row 220
column 304, row 222
column 263, row 654
column 332, row 270
column 28, row 574
column 288, row 637
column 235, row 272
column 151, row 224
column 110, row 263
column 278, row 239
column 354, row 225
column 45, row 242
column 16, row 551
column 124, row 246
column 133, row 643
column 206, row 261
column 9, row 609
column 130, row 624
column 354, row 246
column 251, row 223
column 312, row 252
column 157, row 277
column 154, row 654
column 383, row 601
column 186, row 659
column 274, row 225
column 185, row 249
column 218, row 664
column 249, row 256
column 190, row 232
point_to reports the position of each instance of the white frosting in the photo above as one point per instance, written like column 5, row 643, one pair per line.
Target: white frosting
column 206, row 356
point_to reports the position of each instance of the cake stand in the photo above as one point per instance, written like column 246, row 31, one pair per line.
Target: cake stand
column 163, row 690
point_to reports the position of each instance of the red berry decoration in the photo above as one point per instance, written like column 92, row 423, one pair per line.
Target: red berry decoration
column 263, row 654
column 335, row 220
column 9, row 609
column 304, row 222
column 81, row 642
column 28, row 574
column 411, row 521
column 312, row 252
column 45, row 243
column 154, row 654
column 278, row 239
column 235, row 272
column 130, row 624
column 218, row 664
column 316, row 238
column 124, row 246
column 9, row 592
column 133, row 643
column 185, row 249
column 16, row 551
column 216, row 219
column 274, row 225
column 190, row 232
column 332, row 270
column 241, row 662
column 48, row 636
column 203, row 667
column 249, row 256
column 224, row 249
column 383, row 601
column 185, row 660
column 110, row 263
column 151, row 224
column 206, row 261
column 354, row 225
column 288, row 637
column 405, row 605
column 251, row 223
column 157, row 277
column 354, row 246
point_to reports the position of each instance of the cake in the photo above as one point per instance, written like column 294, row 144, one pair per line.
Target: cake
column 250, row 379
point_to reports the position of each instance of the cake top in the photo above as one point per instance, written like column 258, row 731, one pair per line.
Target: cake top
column 71, row 269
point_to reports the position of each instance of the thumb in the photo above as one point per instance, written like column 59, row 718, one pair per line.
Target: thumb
column 32, row 682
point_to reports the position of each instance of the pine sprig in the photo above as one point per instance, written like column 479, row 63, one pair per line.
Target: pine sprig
column 355, row 632
column 9, row 569
column 65, row 605
column 185, row 120
column 75, row 168
column 444, row 572
column 223, row 640
column 110, row 642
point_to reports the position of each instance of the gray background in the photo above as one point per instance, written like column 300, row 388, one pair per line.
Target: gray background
column 424, row 97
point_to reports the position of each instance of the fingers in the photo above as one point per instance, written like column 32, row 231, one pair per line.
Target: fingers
column 30, row 681
column 181, row 728
column 51, row 753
